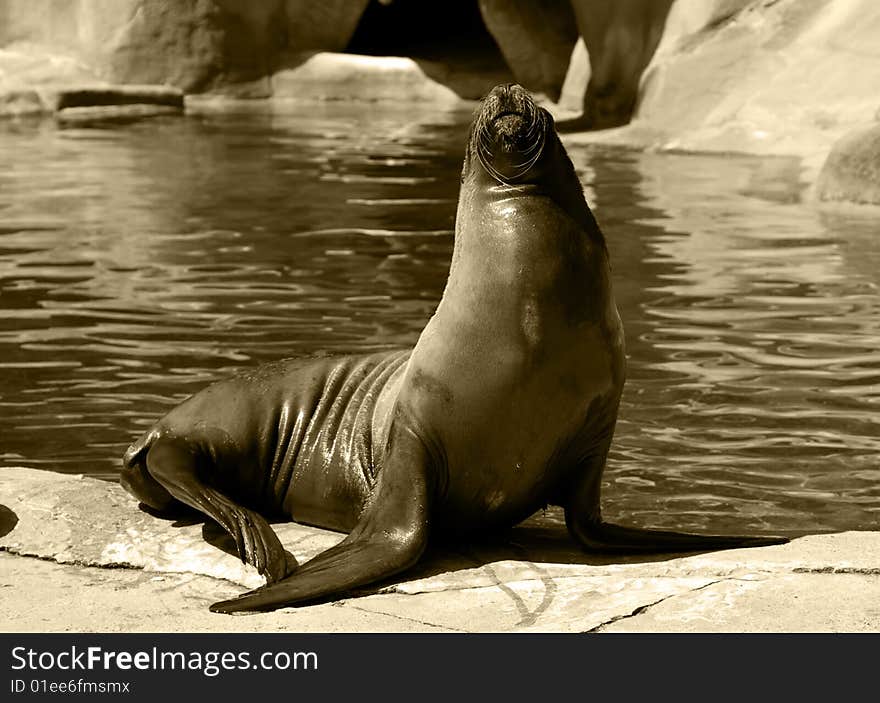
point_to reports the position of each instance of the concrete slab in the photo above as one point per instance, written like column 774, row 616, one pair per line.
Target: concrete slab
column 44, row 596
column 798, row 602
column 80, row 556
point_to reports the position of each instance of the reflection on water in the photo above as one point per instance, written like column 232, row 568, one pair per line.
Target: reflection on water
column 139, row 263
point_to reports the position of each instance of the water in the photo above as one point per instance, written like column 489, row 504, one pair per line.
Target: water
column 138, row 263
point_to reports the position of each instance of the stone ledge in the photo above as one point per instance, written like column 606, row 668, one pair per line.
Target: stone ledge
column 113, row 113
column 116, row 95
column 120, row 568
column 80, row 102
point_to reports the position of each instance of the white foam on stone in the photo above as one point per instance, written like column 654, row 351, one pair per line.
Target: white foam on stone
column 175, row 557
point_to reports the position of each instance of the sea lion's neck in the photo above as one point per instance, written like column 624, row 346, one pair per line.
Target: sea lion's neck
column 515, row 244
column 527, row 297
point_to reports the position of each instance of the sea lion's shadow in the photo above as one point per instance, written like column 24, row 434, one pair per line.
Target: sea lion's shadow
column 212, row 532
column 531, row 544
column 8, row 520
column 530, row 547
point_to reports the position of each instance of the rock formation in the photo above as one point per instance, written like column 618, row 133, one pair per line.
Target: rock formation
column 852, row 171
column 620, row 36
column 536, row 39
column 781, row 77
column 324, row 26
column 195, row 45
column 237, row 45
column 788, row 76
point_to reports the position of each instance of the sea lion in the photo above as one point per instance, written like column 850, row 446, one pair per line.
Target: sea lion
column 506, row 404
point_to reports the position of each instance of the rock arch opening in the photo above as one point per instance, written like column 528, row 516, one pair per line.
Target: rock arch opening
column 440, row 34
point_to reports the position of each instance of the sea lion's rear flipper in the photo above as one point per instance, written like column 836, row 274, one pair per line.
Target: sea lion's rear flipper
column 173, row 463
column 605, row 537
column 390, row 537
column 584, row 521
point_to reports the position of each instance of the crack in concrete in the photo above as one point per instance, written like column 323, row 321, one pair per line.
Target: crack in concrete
column 398, row 589
column 116, row 565
column 347, row 604
column 527, row 617
column 797, row 570
column 643, row 608
column 74, row 562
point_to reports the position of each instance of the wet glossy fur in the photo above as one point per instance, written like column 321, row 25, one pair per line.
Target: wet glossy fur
column 507, row 403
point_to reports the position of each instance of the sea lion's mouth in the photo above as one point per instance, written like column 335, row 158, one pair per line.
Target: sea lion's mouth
column 510, row 131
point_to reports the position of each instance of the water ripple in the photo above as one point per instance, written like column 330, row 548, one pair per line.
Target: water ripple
column 138, row 264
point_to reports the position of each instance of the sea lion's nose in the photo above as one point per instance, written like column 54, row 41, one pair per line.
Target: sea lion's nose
column 507, row 98
column 507, row 89
column 510, row 133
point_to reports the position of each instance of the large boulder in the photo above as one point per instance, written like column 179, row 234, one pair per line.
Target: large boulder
column 852, row 170
column 199, row 43
column 195, row 45
column 743, row 75
column 621, row 37
column 535, row 38
column 191, row 44
column 326, row 25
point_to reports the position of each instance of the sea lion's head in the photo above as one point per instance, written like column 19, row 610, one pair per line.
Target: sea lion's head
column 509, row 136
column 514, row 151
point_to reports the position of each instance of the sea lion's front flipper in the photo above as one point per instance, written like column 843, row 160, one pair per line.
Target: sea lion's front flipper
column 173, row 463
column 390, row 537
column 584, row 521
